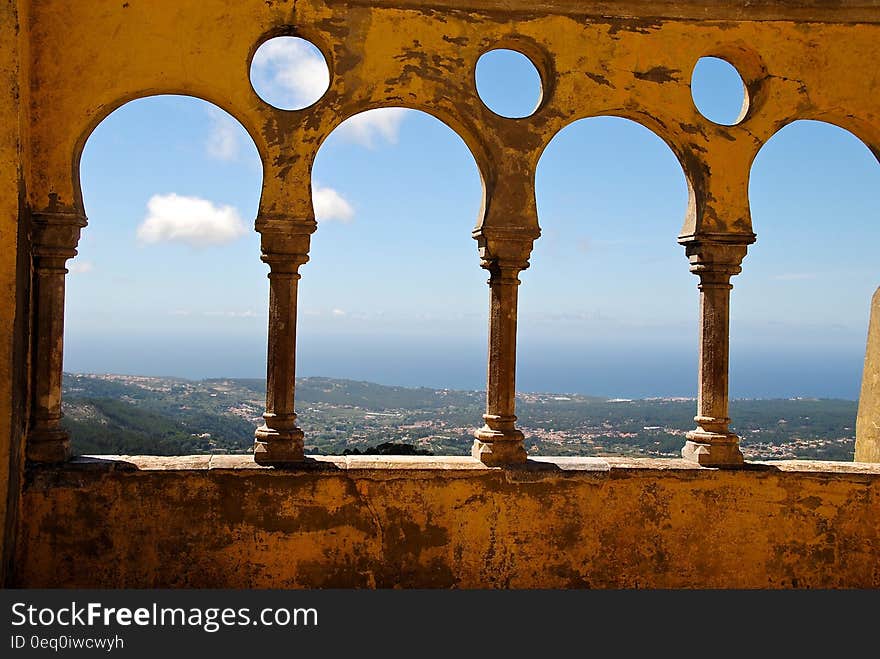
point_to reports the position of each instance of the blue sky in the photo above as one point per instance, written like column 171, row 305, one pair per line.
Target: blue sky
column 169, row 281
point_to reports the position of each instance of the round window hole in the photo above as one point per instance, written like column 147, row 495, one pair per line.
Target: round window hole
column 508, row 83
column 718, row 91
column 289, row 73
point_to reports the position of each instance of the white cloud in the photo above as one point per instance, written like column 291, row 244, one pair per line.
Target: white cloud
column 223, row 139
column 290, row 73
column 330, row 205
column 80, row 267
column 338, row 312
column 190, row 220
column 365, row 128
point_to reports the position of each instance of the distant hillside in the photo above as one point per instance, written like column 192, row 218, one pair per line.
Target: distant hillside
column 171, row 416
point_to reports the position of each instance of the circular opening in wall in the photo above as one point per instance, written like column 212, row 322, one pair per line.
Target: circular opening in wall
column 289, row 73
column 508, row 83
column 718, row 91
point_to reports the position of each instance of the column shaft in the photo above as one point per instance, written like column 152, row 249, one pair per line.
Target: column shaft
column 279, row 440
column 47, row 440
column 499, row 441
column 712, row 397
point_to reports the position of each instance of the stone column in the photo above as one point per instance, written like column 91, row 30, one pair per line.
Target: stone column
column 868, row 420
column 504, row 255
column 279, row 441
column 712, row 444
column 55, row 237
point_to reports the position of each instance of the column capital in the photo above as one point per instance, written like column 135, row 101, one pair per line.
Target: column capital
column 714, row 238
column 505, row 249
column 284, row 264
column 280, row 225
column 56, row 235
column 284, row 241
column 714, row 260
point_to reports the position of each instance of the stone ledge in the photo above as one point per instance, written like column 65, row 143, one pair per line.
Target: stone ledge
column 537, row 464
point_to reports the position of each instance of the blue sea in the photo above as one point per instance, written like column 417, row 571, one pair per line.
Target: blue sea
column 604, row 369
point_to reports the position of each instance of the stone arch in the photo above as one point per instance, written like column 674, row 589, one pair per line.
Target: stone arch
column 686, row 157
column 795, row 250
column 464, row 130
column 861, row 131
column 56, row 233
column 453, row 238
column 864, row 131
column 650, row 124
column 853, row 289
column 566, row 241
column 244, row 120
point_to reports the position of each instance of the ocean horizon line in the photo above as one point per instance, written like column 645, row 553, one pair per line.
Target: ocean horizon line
column 607, row 398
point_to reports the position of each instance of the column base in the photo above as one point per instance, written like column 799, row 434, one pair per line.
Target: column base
column 712, row 449
column 495, row 448
column 48, row 446
column 274, row 447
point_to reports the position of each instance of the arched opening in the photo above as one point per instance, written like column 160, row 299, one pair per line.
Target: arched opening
column 393, row 294
column 508, row 83
column 718, row 91
column 800, row 308
column 289, row 73
column 168, row 288
column 608, row 308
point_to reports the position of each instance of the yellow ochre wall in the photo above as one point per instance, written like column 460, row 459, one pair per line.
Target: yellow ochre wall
column 91, row 56
column 449, row 522
column 14, row 271
column 65, row 66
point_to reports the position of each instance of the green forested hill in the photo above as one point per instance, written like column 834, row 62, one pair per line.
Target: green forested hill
column 116, row 414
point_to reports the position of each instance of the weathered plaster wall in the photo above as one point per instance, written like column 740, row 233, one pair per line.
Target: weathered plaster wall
column 454, row 524
column 449, row 522
column 630, row 59
column 14, row 274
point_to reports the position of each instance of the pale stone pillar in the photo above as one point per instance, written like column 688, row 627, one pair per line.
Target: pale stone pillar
column 55, row 237
column 504, row 254
column 499, row 441
column 285, row 248
column 868, row 421
column 712, row 444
